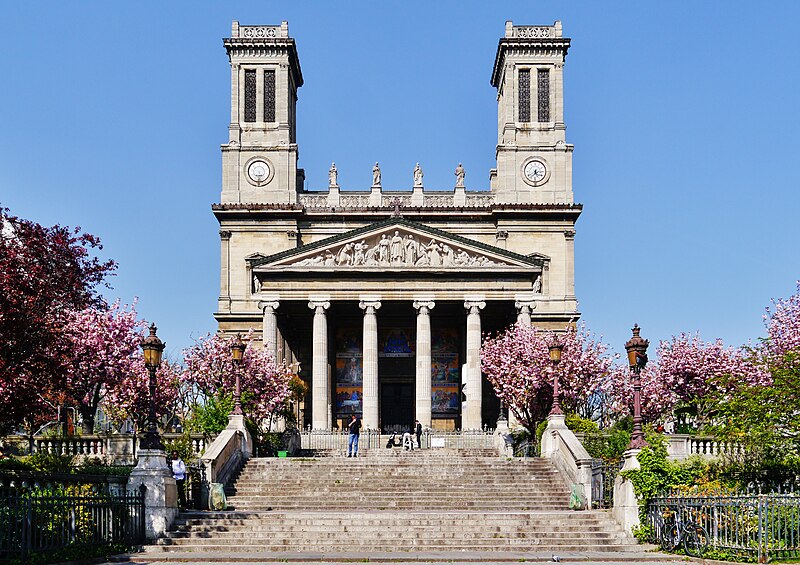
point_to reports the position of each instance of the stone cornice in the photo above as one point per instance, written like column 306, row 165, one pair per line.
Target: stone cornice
column 466, row 213
column 266, row 47
column 550, row 46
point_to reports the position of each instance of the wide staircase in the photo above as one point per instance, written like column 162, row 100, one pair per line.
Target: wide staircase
column 392, row 501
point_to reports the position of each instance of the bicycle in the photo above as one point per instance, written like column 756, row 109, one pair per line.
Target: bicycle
column 691, row 534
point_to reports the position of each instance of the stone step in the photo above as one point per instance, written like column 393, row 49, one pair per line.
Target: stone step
column 577, row 546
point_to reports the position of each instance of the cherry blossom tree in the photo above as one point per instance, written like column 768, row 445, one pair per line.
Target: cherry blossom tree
column 517, row 364
column 657, row 400
column 697, row 372
column 100, row 348
column 44, row 272
column 782, row 346
column 129, row 398
column 264, row 383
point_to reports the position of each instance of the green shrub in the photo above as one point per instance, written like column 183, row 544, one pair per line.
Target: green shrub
column 212, row 417
column 50, row 462
column 581, row 425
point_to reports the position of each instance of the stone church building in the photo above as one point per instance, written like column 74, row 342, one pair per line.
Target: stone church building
column 379, row 297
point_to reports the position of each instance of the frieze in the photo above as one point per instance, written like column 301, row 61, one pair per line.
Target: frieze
column 397, row 250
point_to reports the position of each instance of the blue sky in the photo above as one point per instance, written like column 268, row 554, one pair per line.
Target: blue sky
column 683, row 115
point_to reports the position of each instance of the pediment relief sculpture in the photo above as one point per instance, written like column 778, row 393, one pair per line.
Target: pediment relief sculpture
column 398, row 249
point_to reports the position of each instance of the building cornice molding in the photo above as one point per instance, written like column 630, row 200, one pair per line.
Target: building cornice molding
column 527, row 47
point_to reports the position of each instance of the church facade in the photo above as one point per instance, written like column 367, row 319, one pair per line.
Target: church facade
column 379, row 298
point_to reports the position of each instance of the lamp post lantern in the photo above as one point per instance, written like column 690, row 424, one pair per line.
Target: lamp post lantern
column 555, row 357
column 237, row 353
column 152, row 347
column 637, row 359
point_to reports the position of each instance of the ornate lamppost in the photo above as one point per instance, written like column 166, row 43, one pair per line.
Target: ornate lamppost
column 637, row 359
column 152, row 347
column 237, row 353
column 555, row 357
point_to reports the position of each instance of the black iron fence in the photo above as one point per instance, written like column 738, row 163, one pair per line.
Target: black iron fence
column 39, row 522
column 755, row 526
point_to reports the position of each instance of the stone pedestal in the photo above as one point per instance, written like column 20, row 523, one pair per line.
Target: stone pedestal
column 236, row 423
column 554, row 421
column 626, row 505
column 504, row 448
column 161, row 492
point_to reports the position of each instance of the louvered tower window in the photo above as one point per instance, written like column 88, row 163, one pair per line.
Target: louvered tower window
column 249, row 95
column 524, row 95
column 543, row 90
column 269, row 96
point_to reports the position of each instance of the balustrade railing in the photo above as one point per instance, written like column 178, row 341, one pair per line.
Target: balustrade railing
column 121, row 448
column 754, row 526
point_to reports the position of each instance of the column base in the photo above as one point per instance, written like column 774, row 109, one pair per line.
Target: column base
column 161, row 492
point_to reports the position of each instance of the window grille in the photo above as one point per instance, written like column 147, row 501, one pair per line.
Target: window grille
column 543, row 88
column 249, row 96
column 269, row 96
column 524, row 95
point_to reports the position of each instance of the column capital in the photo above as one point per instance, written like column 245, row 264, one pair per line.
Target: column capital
column 369, row 306
column 319, row 306
column 424, row 305
column 269, row 303
column 474, row 306
column 525, row 305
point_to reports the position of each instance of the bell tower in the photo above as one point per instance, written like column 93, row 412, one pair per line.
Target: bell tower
column 534, row 161
column 259, row 162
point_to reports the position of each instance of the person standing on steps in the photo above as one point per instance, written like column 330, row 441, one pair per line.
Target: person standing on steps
column 354, row 429
column 418, row 433
column 179, row 474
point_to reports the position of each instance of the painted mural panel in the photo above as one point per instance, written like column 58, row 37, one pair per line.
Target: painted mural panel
column 445, row 372
column 349, row 372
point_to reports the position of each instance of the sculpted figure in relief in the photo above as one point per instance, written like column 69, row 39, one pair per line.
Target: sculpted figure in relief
column 460, row 174
column 333, row 175
column 345, row 256
column 418, row 175
column 256, row 284
column 412, row 250
column 398, row 250
column 359, row 254
column 376, row 175
column 537, row 285
column 383, row 250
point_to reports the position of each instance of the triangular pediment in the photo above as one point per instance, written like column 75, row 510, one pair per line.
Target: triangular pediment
column 397, row 244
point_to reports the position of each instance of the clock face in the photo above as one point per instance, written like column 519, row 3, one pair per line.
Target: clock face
column 258, row 171
column 535, row 171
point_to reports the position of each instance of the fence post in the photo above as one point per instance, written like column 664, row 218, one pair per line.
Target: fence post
column 762, row 553
column 27, row 528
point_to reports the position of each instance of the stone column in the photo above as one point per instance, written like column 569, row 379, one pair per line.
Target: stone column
column 524, row 308
column 423, row 376
column 270, row 327
column 370, row 359
column 321, row 389
column 471, row 419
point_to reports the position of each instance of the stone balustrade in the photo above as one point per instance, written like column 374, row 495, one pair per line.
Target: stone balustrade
column 118, row 449
column 681, row 446
column 334, row 198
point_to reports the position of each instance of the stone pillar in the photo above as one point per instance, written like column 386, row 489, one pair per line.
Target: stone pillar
column 626, row 505
column 423, row 376
column 270, row 327
column 370, row 352
column 471, row 419
column 321, row 389
column 161, row 491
